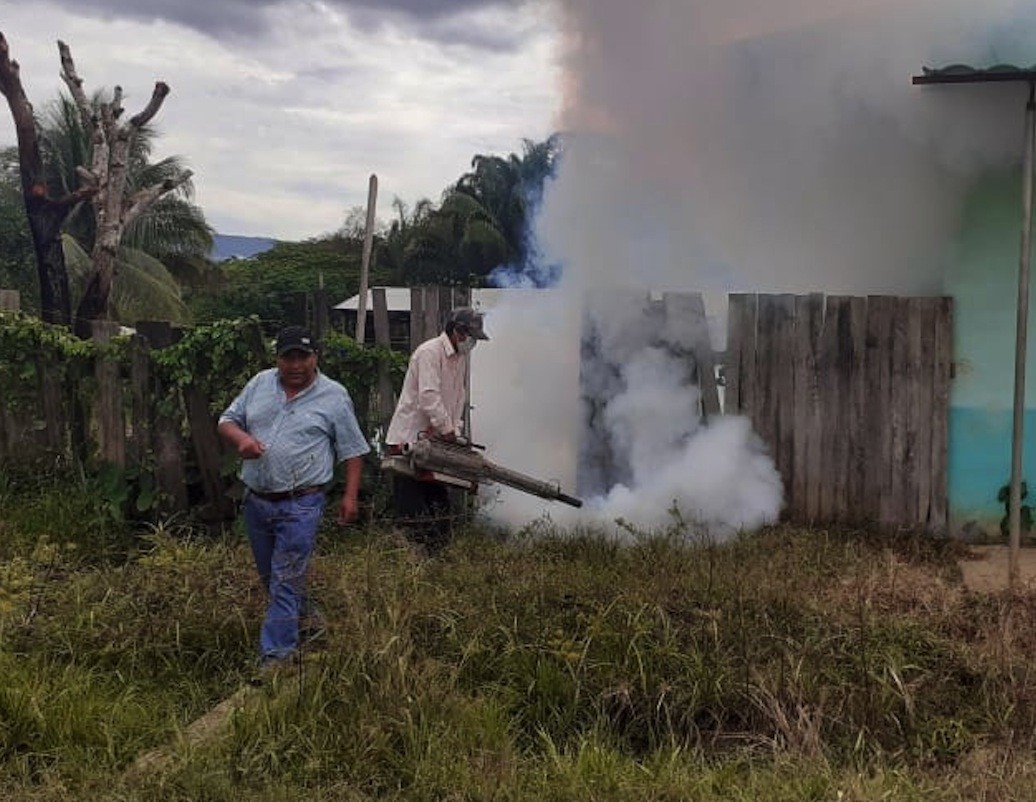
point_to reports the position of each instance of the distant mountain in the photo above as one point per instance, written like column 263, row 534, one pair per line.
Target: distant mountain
column 231, row 246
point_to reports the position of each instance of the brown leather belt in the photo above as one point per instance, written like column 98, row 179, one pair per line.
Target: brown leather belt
column 284, row 495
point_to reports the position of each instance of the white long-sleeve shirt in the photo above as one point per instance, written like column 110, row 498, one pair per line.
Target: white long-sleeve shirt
column 434, row 392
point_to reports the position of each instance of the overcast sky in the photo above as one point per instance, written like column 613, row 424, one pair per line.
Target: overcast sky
column 283, row 108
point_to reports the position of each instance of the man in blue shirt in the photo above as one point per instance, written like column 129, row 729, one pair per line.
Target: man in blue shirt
column 290, row 424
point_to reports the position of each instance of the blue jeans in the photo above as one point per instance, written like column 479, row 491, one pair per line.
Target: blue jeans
column 282, row 534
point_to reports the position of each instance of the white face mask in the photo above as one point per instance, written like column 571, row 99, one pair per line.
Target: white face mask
column 466, row 346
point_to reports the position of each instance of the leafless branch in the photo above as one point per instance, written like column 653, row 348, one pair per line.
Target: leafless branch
column 145, row 197
column 157, row 97
column 88, row 176
column 81, row 194
column 24, row 120
column 75, row 85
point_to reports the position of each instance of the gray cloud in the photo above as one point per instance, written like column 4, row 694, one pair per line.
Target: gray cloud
column 431, row 19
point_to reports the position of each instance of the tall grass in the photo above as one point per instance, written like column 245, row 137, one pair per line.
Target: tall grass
column 784, row 665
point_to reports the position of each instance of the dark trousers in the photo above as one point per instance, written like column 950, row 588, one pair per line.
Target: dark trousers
column 422, row 510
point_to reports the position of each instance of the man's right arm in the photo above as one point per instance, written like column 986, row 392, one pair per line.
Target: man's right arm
column 245, row 445
column 429, row 394
column 232, row 426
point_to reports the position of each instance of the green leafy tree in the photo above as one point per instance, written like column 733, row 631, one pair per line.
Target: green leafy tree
column 17, row 265
column 510, row 188
column 45, row 213
column 276, row 285
column 391, row 243
column 481, row 224
column 455, row 244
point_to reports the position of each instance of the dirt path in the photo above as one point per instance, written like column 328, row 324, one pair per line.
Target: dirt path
column 985, row 568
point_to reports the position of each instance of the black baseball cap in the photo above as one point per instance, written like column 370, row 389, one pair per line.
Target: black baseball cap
column 295, row 338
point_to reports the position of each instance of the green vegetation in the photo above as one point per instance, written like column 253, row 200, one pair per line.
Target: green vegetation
column 163, row 273
column 479, row 225
column 162, row 249
column 785, row 665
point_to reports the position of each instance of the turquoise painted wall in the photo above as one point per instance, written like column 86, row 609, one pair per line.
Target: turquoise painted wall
column 983, row 280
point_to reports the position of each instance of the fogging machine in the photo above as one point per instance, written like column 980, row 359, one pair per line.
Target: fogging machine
column 460, row 463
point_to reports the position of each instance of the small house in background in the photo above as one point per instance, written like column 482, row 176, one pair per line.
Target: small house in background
column 414, row 313
column 397, row 300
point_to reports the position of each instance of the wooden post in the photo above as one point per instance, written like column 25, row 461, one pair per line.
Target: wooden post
column 166, row 437
column 138, row 440
column 739, row 370
column 111, row 424
column 878, row 368
column 1021, row 340
column 368, row 240
column 687, row 327
column 208, row 451
column 10, row 301
column 386, row 401
column 416, row 317
column 320, row 314
column 432, row 311
column 54, row 390
column 939, row 518
column 809, row 320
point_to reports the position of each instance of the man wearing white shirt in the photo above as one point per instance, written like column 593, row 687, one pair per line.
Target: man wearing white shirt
column 432, row 404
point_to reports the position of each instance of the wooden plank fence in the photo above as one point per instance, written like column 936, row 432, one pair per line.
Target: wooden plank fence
column 851, row 395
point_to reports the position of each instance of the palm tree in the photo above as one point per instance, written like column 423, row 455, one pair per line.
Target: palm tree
column 510, row 189
column 391, row 244
column 456, row 244
column 165, row 246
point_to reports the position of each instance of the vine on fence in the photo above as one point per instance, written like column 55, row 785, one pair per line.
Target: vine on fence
column 28, row 346
column 215, row 360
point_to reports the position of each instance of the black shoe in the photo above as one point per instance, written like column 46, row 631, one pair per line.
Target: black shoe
column 313, row 634
column 269, row 667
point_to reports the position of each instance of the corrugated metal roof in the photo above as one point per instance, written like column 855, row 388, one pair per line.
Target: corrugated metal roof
column 966, row 74
column 397, row 299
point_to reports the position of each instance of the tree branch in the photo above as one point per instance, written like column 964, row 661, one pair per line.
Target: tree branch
column 29, row 158
column 157, row 97
column 75, row 86
column 88, row 177
column 145, row 197
column 72, row 198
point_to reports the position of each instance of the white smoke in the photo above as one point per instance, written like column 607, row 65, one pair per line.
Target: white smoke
column 717, row 145
column 779, row 146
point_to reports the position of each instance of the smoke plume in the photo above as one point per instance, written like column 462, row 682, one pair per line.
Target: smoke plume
column 733, row 145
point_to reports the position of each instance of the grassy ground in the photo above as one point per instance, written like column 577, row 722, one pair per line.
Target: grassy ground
column 783, row 665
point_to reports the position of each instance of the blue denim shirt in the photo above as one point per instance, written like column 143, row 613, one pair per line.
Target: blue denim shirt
column 303, row 436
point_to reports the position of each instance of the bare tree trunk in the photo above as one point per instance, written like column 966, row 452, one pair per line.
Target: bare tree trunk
column 46, row 215
column 114, row 211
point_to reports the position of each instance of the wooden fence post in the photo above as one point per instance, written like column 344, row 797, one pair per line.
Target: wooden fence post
column 739, row 369
column 166, row 430
column 386, row 402
column 111, row 424
column 687, row 328
column 10, row 301
column 321, row 324
column 432, row 312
